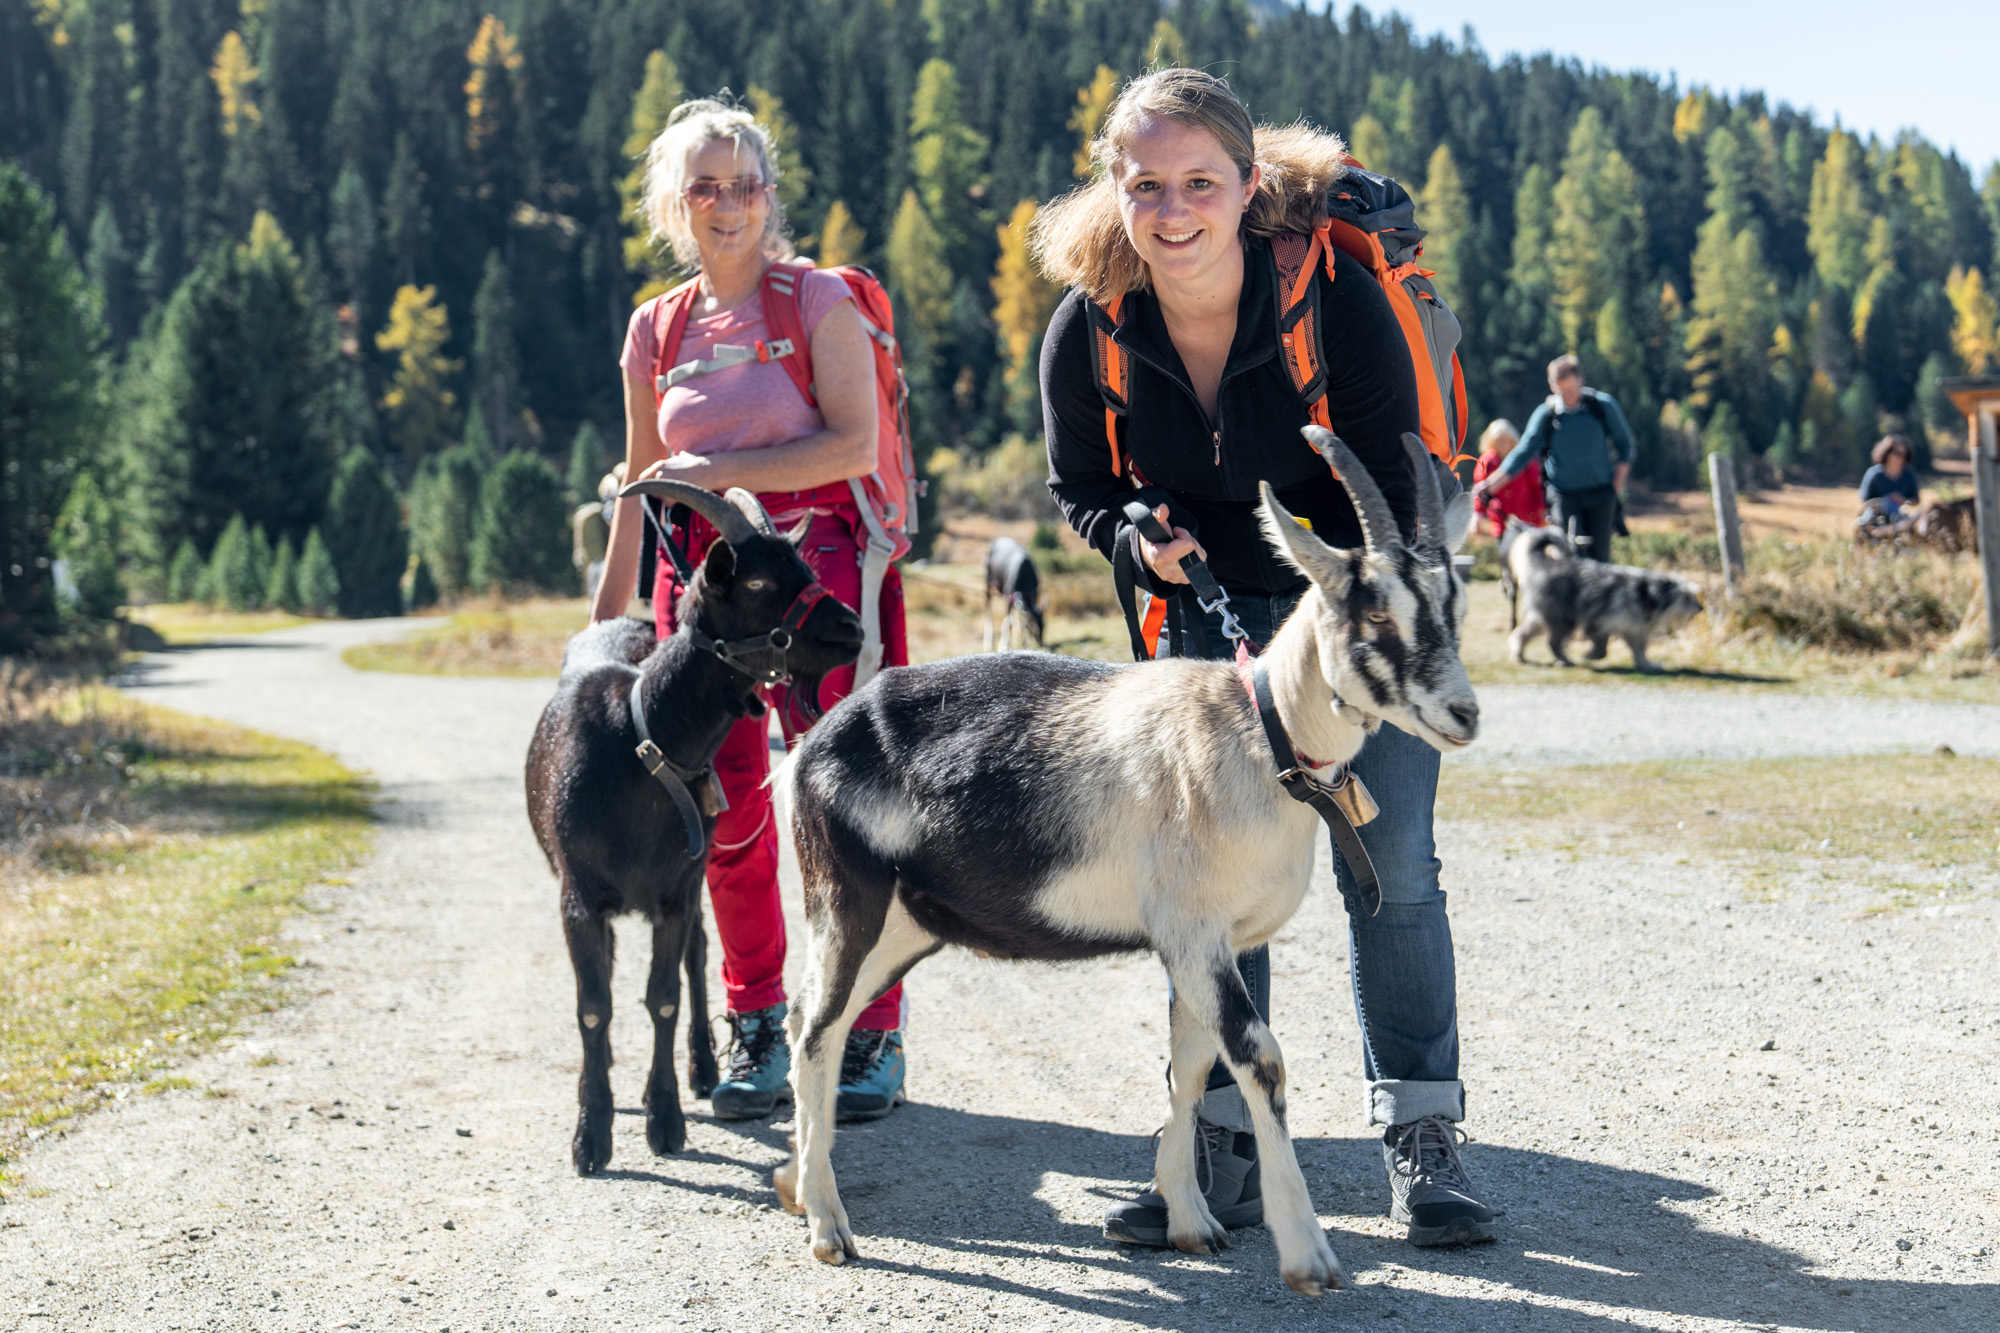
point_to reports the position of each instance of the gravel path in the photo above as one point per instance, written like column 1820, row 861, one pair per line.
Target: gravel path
column 390, row 1152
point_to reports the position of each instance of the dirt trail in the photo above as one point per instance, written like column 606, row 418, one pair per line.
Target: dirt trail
column 391, row 1151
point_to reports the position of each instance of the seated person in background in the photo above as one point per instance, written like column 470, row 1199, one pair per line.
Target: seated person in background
column 1889, row 488
column 1521, row 497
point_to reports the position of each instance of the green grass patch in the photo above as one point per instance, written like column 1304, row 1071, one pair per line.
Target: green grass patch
column 183, row 623
column 152, row 860
column 1899, row 812
column 485, row 638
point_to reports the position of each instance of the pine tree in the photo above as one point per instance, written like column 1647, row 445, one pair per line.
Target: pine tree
column 444, row 501
column 1975, row 330
column 52, row 409
column 1093, row 103
column 657, row 97
column 1735, row 306
column 406, row 217
column 1837, row 221
column 234, row 76
column 920, row 278
column 319, row 582
column 496, row 365
column 1445, row 212
column 945, row 154
column 794, row 176
column 1023, row 300
column 281, row 590
column 1166, row 46
column 234, row 411
column 365, row 538
column 586, row 465
column 350, row 234
column 841, row 240
column 185, row 574
column 520, row 540
column 423, row 413
column 1599, row 230
column 494, row 93
column 87, row 541
column 232, row 569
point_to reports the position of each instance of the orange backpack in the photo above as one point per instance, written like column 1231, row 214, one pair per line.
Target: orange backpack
column 1373, row 221
column 887, row 497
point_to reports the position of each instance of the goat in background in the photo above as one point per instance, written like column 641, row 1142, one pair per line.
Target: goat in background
column 1032, row 806
column 1012, row 577
column 619, row 840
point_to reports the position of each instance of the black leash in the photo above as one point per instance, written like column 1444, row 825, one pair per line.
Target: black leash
column 1329, row 800
column 677, row 780
column 1184, row 624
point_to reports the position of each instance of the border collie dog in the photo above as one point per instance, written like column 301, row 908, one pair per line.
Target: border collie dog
column 1568, row 596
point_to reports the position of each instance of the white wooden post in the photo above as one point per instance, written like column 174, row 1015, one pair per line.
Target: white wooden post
column 1985, row 431
column 1728, row 532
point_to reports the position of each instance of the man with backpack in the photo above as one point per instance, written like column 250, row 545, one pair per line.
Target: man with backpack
column 1584, row 445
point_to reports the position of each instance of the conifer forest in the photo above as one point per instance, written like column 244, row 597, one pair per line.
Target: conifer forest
column 349, row 278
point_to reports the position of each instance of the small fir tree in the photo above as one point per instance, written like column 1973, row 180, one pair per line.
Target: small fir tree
column 444, row 501
column 365, row 536
column 520, row 542
column 319, row 583
column 87, row 539
column 423, row 413
column 586, row 465
column 281, row 589
column 232, row 568
column 423, row 588
column 184, row 575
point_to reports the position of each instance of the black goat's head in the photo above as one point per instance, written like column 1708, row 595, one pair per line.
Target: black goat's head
column 750, row 581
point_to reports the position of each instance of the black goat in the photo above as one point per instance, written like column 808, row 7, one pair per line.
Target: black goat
column 1012, row 577
column 627, row 710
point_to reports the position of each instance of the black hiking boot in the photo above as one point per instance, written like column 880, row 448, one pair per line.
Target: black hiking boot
column 1428, row 1187
column 1226, row 1170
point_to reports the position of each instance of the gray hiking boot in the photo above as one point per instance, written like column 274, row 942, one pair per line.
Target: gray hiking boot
column 1428, row 1187
column 1226, row 1170
column 760, row 1062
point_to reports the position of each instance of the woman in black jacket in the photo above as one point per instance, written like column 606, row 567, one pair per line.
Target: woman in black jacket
column 1175, row 228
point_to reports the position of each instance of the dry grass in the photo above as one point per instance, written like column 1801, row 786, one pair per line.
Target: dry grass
column 483, row 638
column 1908, row 824
column 149, row 860
column 182, row 623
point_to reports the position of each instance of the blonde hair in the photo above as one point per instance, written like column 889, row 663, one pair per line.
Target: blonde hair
column 1498, row 429
column 1080, row 241
column 693, row 126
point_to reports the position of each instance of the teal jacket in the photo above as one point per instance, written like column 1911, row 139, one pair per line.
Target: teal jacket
column 1577, row 448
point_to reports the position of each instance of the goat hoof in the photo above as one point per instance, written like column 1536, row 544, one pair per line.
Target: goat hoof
column 702, row 1079
column 666, row 1134
column 1318, row 1273
column 785, row 1181
column 591, row 1149
column 836, row 1248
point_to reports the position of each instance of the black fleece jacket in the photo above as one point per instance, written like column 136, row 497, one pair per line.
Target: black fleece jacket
column 1210, row 470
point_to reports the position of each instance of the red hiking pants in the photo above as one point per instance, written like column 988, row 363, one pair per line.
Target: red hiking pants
column 743, row 862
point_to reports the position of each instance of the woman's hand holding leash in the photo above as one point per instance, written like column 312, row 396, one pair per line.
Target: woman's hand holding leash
column 1165, row 559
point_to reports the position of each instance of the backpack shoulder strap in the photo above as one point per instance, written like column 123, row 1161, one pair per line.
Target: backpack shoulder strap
column 670, row 317
column 789, row 344
column 1298, row 259
column 1113, row 372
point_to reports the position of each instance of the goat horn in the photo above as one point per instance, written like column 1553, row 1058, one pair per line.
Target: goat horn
column 1378, row 525
column 1430, row 496
column 730, row 522
column 753, row 509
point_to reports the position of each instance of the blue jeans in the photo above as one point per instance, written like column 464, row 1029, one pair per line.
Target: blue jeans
column 1405, row 985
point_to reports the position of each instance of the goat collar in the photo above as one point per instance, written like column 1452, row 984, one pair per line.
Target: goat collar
column 761, row 657
column 675, row 779
column 1341, row 801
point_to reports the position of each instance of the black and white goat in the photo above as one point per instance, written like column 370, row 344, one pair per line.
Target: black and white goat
column 1012, row 577
column 1040, row 807
column 619, row 840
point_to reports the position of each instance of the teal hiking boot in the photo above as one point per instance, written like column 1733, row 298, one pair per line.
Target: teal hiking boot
column 760, row 1065
column 871, row 1076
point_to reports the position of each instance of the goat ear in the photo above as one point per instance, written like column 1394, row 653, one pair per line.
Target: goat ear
column 720, row 566
column 1299, row 546
column 1457, row 521
column 797, row 535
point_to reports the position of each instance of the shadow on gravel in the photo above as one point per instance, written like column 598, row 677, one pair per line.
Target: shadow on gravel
column 1594, row 671
column 1574, row 1233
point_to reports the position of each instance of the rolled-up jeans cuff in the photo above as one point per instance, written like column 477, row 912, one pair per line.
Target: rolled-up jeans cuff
column 1398, row 1101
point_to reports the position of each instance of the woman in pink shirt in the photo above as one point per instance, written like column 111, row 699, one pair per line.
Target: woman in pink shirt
column 708, row 194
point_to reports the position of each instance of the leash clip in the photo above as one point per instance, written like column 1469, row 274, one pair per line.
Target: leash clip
column 1232, row 628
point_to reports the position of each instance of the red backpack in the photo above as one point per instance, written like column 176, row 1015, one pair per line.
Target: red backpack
column 886, row 497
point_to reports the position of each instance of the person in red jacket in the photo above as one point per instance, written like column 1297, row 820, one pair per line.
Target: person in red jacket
column 1520, row 497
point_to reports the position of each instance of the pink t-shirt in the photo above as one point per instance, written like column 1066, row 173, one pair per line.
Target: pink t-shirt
column 740, row 407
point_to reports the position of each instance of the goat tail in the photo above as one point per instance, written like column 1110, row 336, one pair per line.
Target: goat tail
column 780, row 783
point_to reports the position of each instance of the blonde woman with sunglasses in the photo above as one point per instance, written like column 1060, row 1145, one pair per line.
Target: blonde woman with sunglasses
column 709, row 195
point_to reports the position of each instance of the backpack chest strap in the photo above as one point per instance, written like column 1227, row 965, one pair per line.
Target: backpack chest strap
column 727, row 355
